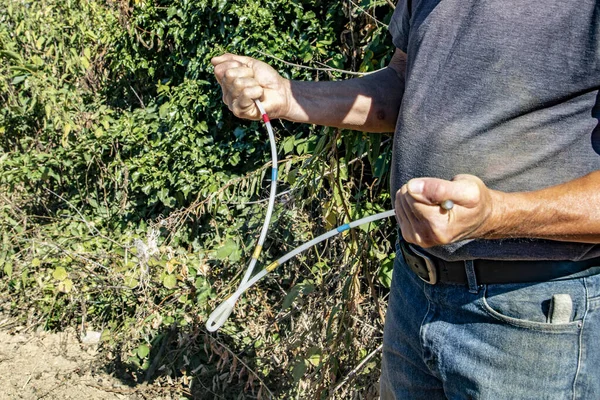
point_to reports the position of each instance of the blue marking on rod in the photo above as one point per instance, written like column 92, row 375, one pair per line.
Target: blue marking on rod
column 343, row 228
column 274, row 174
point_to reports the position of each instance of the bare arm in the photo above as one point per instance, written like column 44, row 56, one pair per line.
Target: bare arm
column 568, row 212
column 565, row 212
column 370, row 103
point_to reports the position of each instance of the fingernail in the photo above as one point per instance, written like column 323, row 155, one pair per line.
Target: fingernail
column 415, row 186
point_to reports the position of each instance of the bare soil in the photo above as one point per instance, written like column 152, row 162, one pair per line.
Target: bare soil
column 43, row 365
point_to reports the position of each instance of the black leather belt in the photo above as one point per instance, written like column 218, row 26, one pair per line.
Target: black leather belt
column 433, row 270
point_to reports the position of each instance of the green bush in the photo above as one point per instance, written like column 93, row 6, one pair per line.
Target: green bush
column 130, row 196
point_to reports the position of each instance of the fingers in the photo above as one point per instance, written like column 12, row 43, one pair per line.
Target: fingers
column 242, row 105
column 405, row 217
column 463, row 190
column 228, row 57
column 235, row 87
column 229, row 71
column 426, row 223
column 245, row 96
column 421, row 224
column 239, row 87
column 244, row 80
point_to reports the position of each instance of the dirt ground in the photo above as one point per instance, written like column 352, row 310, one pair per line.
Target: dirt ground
column 43, row 365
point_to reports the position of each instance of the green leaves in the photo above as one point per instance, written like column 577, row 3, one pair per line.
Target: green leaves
column 18, row 79
column 143, row 350
column 229, row 250
column 385, row 271
column 300, row 289
column 60, row 274
column 170, row 281
column 298, row 370
column 113, row 127
column 11, row 56
column 64, row 284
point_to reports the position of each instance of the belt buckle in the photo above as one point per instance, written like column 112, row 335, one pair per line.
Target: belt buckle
column 432, row 277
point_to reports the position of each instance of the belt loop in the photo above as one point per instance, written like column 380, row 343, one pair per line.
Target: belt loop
column 471, row 278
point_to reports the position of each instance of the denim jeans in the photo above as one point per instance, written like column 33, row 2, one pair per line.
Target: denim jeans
column 443, row 342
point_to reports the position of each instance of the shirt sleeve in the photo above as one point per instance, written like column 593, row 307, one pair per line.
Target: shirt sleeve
column 400, row 24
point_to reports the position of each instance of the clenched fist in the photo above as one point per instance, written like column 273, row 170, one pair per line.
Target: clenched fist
column 244, row 79
column 424, row 223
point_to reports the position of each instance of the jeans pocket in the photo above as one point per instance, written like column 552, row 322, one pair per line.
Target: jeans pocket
column 532, row 306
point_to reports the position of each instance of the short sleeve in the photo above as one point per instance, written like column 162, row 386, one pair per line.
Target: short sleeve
column 400, row 24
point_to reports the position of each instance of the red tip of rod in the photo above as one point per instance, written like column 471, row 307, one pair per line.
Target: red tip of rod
column 265, row 118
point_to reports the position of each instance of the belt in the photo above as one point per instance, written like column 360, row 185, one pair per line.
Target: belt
column 432, row 269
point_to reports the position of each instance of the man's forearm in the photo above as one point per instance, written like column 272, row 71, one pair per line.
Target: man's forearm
column 369, row 104
column 567, row 212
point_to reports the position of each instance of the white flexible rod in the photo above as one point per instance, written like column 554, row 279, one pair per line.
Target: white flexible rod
column 218, row 317
column 263, row 234
column 265, row 227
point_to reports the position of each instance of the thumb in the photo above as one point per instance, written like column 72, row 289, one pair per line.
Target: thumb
column 463, row 190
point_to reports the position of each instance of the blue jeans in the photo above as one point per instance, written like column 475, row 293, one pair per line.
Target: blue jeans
column 443, row 342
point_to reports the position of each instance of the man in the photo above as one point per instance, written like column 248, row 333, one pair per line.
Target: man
column 495, row 107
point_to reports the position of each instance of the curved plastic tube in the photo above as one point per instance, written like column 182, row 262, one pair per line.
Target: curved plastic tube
column 222, row 312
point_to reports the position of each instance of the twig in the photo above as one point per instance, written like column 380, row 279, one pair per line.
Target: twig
column 366, row 12
column 138, row 97
column 7, row 323
column 366, row 324
column 90, row 227
column 28, row 380
column 70, row 254
column 352, row 38
column 328, row 69
column 158, row 356
column 140, row 390
column 280, row 194
column 52, row 390
column 358, row 368
column 244, row 364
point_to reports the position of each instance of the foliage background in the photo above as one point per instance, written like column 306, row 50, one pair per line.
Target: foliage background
column 131, row 198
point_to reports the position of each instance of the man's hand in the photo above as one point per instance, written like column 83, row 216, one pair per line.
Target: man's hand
column 369, row 104
column 425, row 223
column 244, row 79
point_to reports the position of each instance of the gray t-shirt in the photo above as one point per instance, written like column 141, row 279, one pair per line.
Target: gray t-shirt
column 506, row 90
